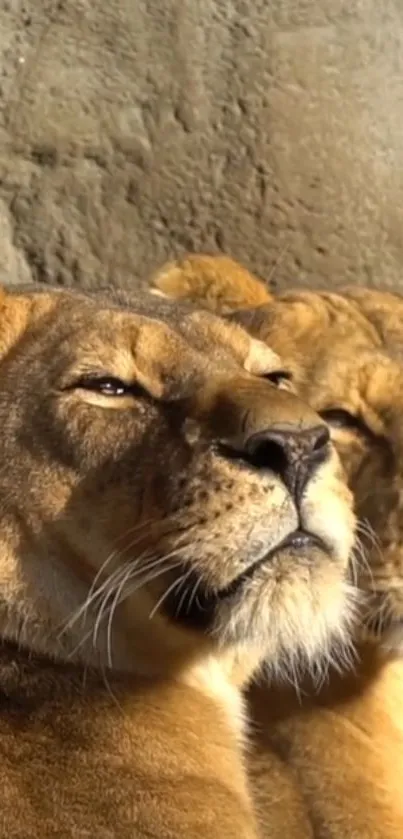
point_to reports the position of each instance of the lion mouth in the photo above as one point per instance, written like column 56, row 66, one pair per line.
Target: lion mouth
column 197, row 608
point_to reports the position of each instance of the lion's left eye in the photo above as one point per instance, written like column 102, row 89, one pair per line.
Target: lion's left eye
column 107, row 385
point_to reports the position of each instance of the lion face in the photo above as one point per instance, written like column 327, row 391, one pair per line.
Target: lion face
column 345, row 352
column 352, row 375
column 162, row 492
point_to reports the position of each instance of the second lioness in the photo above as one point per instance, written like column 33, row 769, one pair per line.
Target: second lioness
column 329, row 763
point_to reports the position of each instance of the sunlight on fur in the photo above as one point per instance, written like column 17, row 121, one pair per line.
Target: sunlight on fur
column 142, row 547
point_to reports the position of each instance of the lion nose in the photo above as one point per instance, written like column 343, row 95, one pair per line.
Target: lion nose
column 291, row 453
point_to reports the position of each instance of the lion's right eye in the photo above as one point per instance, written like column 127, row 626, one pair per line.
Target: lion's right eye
column 280, row 378
column 341, row 420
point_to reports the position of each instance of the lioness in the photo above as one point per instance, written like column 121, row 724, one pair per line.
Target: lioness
column 330, row 763
column 165, row 525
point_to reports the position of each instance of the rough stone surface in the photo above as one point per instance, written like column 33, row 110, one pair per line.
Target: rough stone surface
column 131, row 130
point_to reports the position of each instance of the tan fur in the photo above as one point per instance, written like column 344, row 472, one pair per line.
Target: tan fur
column 341, row 752
column 331, row 765
column 141, row 575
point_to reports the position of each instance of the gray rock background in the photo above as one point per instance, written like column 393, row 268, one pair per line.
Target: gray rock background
column 131, row 130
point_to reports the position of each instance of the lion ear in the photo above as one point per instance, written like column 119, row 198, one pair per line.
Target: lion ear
column 217, row 282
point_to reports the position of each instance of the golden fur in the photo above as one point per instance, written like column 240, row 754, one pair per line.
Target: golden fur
column 144, row 565
column 330, row 764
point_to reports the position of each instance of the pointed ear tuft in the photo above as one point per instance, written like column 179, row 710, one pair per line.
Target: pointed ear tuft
column 216, row 282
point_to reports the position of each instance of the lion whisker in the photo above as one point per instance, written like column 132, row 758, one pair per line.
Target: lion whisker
column 92, row 597
column 115, row 582
column 164, row 596
column 119, row 585
column 361, row 559
column 185, row 590
column 89, row 600
column 118, row 599
column 365, row 528
column 154, row 570
column 119, row 589
column 193, row 595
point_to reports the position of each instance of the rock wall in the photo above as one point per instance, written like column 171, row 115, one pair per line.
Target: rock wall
column 131, row 130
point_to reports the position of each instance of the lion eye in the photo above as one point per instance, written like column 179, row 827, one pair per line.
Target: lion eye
column 339, row 418
column 106, row 385
column 279, row 378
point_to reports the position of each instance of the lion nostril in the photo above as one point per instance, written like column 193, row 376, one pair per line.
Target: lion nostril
column 267, row 454
column 289, row 452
